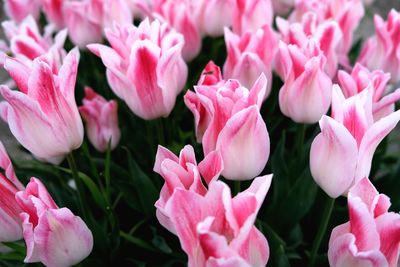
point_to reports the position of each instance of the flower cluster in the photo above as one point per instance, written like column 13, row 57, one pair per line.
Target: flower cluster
column 280, row 76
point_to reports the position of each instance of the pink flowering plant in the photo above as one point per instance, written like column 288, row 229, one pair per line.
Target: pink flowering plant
column 200, row 133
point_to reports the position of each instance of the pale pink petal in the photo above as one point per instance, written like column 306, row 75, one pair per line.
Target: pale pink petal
column 333, row 158
column 374, row 135
column 244, row 145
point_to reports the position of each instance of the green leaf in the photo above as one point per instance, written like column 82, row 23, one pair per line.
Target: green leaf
column 93, row 188
column 146, row 191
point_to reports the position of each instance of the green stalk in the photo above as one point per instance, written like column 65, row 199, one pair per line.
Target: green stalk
column 321, row 231
column 300, row 142
column 237, row 187
column 79, row 187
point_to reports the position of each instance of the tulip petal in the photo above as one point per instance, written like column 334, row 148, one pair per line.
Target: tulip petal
column 374, row 135
column 329, row 150
column 63, row 238
column 244, row 145
column 388, row 226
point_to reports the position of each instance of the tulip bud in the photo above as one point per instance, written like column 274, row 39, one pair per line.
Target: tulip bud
column 101, row 119
column 306, row 93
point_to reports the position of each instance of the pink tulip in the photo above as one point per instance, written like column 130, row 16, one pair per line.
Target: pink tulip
column 183, row 173
column 347, row 13
column 43, row 115
column 250, row 15
column 53, row 236
column 84, row 21
column 372, row 235
column 17, row 10
column 9, row 210
column 342, row 153
column 101, row 117
column 326, row 34
column 212, row 16
column 228, row 119
column 53, row 9
column 27, row 43
column 218, row 230
column 180, row 15
column 381, row 51
column 144, row 66
column 116, row 11
column 360, row 79
column 211, row 75
column 250, row 55
column 306, row 93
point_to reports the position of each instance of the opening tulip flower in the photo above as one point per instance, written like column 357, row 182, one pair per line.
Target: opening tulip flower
column 360, row 78
column 372, row 235
column 101, row 117
column 250, row 55
column 183, row 173
column 53, row 236
column 218, row 230
column 144, row 66
column 326, row 34
column 381, row 51
column 43, row 115
column 342, row 153
column 229, row 115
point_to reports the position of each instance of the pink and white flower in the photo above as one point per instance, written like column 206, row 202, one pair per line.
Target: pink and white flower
column 218, row 230
column 53, row 235
column 251, row 15
column 228, row 119
column 326, row 34
column 382, row 51
column 372, row 235
column 361, row 79
column 306, row 93
column 144, row 66
column 347, row 13
column 18, row 10
column 27, row 43
column 43, row 115
column 250, row 55
column 183, row 173
column 342, row 153
column 101, row 118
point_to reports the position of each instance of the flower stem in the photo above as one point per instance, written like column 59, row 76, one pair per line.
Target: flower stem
column 75, row 175
column 237, row 187
column 300, row 142
column 321, row 231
